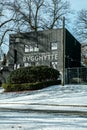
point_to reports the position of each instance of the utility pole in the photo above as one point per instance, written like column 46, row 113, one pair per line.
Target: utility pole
column 63, row 72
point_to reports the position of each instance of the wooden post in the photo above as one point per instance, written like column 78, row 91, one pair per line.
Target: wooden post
column 63, row 72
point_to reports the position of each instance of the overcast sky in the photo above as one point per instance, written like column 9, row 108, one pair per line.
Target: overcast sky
column 78, row 4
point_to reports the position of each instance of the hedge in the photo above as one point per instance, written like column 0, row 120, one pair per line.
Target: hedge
column 31, row 78
column 28, row 86
column 32, row 75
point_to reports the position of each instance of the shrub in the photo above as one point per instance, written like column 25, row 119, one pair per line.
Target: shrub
column 32, row 75
column 28, row 86
column 31, row 78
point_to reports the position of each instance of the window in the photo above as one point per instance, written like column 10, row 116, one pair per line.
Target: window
column 29, row 48
column 54, row 64
column 17, row 40
column 26, row 48
column 36, row 49
column 27, row 64
column 53, row 45
column 18, row 66
column 15, row 56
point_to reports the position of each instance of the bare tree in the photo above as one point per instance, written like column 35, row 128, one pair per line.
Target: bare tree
column 38, row 14
column 80, row 30
column 81, row 25
column 26, row 15
column 55, row 11
column 5, row 21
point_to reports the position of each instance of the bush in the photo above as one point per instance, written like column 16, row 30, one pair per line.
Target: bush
column 32, row 75
column 28, row 86
column 31, row 78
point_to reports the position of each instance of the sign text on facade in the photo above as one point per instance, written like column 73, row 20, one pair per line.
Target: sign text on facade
column 40, row 57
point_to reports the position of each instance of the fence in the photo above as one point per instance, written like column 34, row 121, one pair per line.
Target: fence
column 76, row 75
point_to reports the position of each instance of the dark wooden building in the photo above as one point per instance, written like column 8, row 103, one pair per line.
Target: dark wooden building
column 54, row 48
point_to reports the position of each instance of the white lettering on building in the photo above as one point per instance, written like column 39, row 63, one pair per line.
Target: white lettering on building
column 40, row 57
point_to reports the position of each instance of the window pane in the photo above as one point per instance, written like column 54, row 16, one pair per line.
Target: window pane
column 31, row 49
column 27, row 49
column 36, row 49
column 54, row 65
column 53, row 45
column 27, row 64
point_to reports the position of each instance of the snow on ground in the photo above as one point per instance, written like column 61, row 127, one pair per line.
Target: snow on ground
column 56, row 107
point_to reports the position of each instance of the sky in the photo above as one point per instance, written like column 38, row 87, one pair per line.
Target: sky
column 78, row 4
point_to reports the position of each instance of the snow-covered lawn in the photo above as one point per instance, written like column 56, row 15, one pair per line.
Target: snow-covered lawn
column 53, row 108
